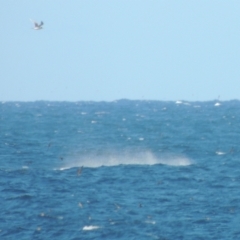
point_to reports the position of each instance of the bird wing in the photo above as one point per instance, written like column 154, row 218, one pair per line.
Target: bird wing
column 36, row 24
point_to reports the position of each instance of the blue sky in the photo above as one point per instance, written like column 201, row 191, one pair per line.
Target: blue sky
column 103, row 50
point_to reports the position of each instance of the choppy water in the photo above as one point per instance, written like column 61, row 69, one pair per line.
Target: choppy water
column 151, row 170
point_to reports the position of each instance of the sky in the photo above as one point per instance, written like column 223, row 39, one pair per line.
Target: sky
column 105, row 50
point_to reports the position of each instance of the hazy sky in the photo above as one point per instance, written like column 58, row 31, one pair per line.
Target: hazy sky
column 113, row 49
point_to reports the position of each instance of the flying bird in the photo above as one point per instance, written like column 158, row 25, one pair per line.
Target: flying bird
column 36, row 25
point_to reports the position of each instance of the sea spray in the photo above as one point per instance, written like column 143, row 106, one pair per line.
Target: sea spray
column 125, row 158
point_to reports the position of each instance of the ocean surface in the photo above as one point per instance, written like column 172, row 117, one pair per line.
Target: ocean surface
column 120, row 170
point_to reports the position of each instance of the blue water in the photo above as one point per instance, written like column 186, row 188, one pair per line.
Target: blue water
column 120, row 170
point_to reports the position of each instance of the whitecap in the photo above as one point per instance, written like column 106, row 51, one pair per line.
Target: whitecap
column 150, row 222
column 178, row 102
column 220, row 153
column 90, row 228
column 62, row 168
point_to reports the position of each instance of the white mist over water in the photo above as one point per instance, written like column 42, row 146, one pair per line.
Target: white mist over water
column 132, row 158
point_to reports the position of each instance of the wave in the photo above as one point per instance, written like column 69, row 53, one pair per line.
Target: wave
column 114, row 159
column 90, row 228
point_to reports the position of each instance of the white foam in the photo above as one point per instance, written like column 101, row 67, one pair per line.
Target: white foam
column 178, row 102
column 90, row 228
column 220, row 153
column 150, row 222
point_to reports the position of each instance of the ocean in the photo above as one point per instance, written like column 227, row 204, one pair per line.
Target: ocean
column 120, row 170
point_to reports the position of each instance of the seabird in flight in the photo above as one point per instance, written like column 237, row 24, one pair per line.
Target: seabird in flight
column 36, row 25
